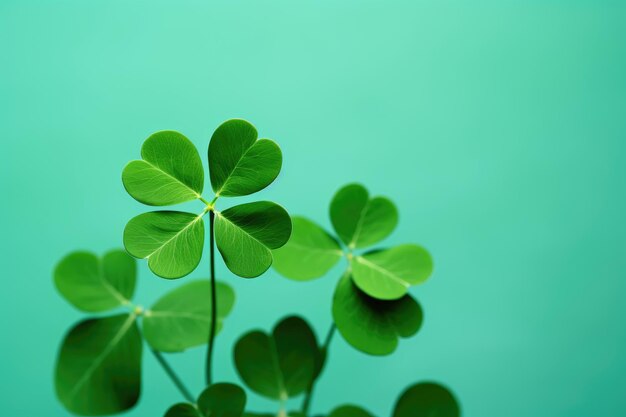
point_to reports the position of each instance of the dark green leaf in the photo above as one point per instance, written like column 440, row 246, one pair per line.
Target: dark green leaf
column 238, row 163
column 171, row 171
column 171, row 241
column 427, row 399
column 182, row 318
column 93, row 284
column 309, row 253
column 349, row 411
column 388, row 274
column 99, row 366
column 370, row 325
column 281, row 365
column 222, row 400
column 183, row 410
column 246, row 234
column 360, row 221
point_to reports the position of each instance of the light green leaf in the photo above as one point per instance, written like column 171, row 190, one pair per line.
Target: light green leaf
column 427, row 399
column 360, row 221
column 98, row 369
column 246, row 234
column 309, row 253
column 388, row 274
column 171, row 241
column 183, row 410
column 281, row 365
column 171, row 171
column 370, row 325
column 238, row 163
column 222, row 400
column 93, row 284
column 182, row 318
column 349, row 411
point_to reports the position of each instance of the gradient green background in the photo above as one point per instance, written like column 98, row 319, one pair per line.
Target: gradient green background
column 498, row 127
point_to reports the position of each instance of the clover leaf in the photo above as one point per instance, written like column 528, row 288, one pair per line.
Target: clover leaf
column 280, row 365
column 98, row 369
column 170, row 172
column 375, row 286
column 239, row 164
column 171, row 241
column 387, row 274
column 427, row 399
column 181, row 319
column 349, row 410
column 95, row 284
column 309, row 253
column 371, row 325
column 99, row 366
column 255, row 228
column 218, row 400
column 360, row 221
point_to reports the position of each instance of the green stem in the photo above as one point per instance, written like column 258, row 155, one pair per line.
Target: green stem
column 170, row 372
column 324, row 351
column 209, row 355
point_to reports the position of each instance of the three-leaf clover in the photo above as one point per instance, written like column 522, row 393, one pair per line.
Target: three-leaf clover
column 425, row 399
column 98, row 368
column 170, row 172
column 371, row 305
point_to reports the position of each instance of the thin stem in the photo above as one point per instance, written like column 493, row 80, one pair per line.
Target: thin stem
column 206, row 203
column 324, row 352
column 209, row 355
column 170, row 372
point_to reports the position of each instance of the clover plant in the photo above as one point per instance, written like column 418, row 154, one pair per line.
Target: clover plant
column 98, row 369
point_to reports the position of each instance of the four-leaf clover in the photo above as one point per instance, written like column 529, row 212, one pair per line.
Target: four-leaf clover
column 170, row 172
column 371, row 305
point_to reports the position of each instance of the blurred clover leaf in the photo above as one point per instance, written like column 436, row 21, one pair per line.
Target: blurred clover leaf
column 371, row 305
column 181, row 319
column 425, row 399
column 371, row 325
column 170, row 172
column 279, row 365
column 218, row 400
column 98, row 369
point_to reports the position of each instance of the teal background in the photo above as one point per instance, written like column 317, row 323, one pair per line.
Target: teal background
column 498, row 128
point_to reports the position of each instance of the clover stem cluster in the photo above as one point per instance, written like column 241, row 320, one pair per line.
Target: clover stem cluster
column 98, row 369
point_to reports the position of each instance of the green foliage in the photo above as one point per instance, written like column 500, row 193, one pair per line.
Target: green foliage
column 311, row 252
column 181, row 319
column 98, row 370
column 170, row 172
column 238, row 163
column 99, row 366
column 371, row 307
column 427, row 399
column 171, row 241
column 218, row 400
column 360, row 221
column 253, row 229
column 96, row 284
column 371, row 325
column 280, row 365
column 387, row 274
column 349, row 411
